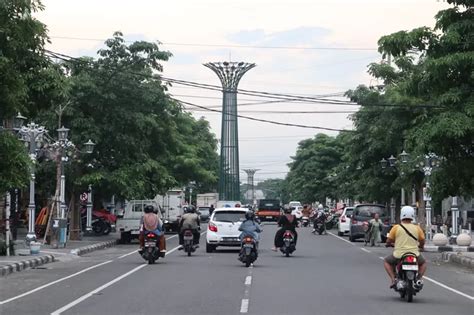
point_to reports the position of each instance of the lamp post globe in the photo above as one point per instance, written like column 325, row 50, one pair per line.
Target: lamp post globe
column 89, row 146
column 383, row 163
column 392, row 160
column 62, row 134
column 404, row 157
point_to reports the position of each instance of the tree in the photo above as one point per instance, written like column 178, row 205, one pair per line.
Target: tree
column 312, row 173
column 428, row 94
column 14, row 163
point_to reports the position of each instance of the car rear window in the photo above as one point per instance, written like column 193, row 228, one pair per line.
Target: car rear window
column 349, row 211
column 370, row 211
column 229, row 216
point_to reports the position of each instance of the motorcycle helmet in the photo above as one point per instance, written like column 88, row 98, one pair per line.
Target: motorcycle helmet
column 320, row 207
column 149, row 209
column 407, row 212
column 287, row 210
column 249, row 215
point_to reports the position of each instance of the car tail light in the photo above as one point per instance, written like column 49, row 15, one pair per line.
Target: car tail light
column 354, row 221
column 343, row 218
column 212, row 227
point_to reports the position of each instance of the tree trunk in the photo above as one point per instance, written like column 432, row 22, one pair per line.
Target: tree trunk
column 75, row 227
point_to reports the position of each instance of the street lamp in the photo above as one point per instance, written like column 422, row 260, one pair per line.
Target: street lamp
column 383, row 163
column 392, row 163
column 89, row 146
column 33, row 135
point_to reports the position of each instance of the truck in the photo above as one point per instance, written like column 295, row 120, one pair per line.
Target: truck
column 207, row 199
column 128, row 220
column 269, row 210
column 172, row 204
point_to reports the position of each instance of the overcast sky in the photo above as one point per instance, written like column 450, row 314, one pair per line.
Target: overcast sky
column 198, row 31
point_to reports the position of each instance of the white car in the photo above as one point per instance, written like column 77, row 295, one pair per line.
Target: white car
column 223, row 228
column 298, row 212
column 344, row 221
column 294, row 204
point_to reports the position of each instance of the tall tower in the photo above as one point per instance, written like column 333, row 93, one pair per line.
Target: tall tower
column 250, row 176
column 230, row 74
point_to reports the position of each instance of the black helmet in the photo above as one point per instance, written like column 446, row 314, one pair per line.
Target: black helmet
column 288, row 210
column 249, row 215
column 149, row 209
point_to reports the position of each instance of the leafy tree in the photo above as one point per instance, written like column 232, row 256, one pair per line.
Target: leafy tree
column 312, row 173
column 14, row 163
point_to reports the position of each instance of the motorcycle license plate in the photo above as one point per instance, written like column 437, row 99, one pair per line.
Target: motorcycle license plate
column 269, row 217
column 188, row 238
column 248, row 245
column 410, row 267
column 150, row 244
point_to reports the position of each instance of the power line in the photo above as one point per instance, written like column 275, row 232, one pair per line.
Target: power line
column 232, row 45
column 279, row 96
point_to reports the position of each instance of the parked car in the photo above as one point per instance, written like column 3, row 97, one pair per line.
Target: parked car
column 363, row 213
column 223, row 228
column 203, row 213
column 345, row 220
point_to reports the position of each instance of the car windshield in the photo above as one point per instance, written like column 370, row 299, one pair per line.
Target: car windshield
column 204, row 210
column 229, row 216
column 370, row 211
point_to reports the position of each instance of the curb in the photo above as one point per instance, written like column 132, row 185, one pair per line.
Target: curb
column 90, row 248
column 447, row 248
column 25, row 264
column 458, row 259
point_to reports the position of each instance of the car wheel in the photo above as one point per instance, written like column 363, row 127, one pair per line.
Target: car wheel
column 210, row 248
column 340, row 233
column 351, row 238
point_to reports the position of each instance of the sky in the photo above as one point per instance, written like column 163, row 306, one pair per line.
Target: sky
column 296, row 45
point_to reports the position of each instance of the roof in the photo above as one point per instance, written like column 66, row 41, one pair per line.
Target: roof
column 230, row 209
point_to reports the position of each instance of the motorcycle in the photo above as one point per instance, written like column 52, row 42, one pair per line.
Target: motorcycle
column 407, row 284
column 101, row 223
column 248, row 251
column 288, row 243
column 150, row 252
column 305, row 221
column 331, row 222
column 188, row 238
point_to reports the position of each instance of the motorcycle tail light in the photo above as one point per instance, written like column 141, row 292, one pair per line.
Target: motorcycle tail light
column 410, row 259
column 150, row 235
column 212, row 227
column 248, row 240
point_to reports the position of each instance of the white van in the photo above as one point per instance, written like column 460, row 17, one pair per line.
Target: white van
column 128, row 222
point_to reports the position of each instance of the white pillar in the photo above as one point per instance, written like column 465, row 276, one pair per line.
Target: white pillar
column 31, row 236
column 7, row 222
column 455, row 216
column 89, row 210
column 62, row 197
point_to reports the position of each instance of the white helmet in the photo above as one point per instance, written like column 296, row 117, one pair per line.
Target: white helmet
column 320, row 207
column 407, row 212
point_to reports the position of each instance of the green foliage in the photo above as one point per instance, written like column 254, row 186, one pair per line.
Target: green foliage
column 14, row 163
column 312, row 174
column 273, row 188
column 145, row 143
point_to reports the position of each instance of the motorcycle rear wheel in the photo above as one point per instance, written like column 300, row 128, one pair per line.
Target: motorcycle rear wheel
column 409, row 291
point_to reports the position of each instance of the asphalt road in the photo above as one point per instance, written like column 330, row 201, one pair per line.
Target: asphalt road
column 326, row 275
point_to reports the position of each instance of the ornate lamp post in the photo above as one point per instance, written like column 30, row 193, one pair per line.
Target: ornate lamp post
column 33, row 135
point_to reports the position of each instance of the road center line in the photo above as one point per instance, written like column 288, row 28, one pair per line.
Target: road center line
column 244, row 306
column 365, row 250
column 54, row 282
column 248, row 280
column 102, row 287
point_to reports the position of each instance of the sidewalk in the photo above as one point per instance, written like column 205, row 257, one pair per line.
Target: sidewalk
column 465, row 259
column 24, row 260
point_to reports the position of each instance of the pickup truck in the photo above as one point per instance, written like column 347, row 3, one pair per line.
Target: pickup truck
column 128, row 222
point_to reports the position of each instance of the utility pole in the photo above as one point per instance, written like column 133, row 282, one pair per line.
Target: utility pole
column 250, row 176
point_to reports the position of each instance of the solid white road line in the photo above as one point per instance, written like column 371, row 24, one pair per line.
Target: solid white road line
column 342, row 239
column 244, row 306
column 108, row 284
column 102, row 287
column 54, row 282
column 365, row 250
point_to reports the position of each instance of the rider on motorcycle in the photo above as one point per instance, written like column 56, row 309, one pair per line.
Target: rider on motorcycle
column 250, row 227
column 320, row 216
column 151, row 222
column 287, row 222
column 189, row 221
column 407, row 238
